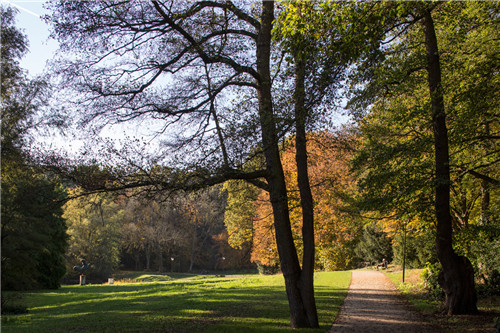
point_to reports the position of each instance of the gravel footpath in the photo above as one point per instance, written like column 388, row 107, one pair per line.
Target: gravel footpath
column 374, row 305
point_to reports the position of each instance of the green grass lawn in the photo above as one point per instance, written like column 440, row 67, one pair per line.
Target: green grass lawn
column 176, row 303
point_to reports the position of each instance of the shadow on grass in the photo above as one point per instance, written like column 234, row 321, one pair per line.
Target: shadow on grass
column 206, row 305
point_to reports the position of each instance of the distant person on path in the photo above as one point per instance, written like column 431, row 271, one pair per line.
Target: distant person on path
column 81, row 269
column 383, row 264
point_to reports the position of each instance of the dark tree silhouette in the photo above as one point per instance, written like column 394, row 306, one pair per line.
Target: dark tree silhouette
column 202, row 68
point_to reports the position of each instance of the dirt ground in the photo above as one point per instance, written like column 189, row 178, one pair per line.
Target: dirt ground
column 374, row 305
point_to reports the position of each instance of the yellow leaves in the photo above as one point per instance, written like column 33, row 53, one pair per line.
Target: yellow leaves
column 394, row 226
column 264, row 249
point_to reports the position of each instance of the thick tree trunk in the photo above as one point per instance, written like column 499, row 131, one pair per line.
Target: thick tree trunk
column 457, row 275
column 276, row 180
column 306, row 199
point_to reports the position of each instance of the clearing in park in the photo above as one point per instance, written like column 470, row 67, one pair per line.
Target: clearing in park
column 176, row 303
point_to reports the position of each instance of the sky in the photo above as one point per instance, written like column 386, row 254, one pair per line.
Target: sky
column 41, row 48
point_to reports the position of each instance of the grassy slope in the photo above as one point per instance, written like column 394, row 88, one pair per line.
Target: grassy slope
column 179, row 303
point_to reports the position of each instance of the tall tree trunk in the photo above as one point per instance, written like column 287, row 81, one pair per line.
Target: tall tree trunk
column 193, row 245
column 306, row 199
column 277, row 189
column 137, row 260
column 160, row 259
column 457, row 275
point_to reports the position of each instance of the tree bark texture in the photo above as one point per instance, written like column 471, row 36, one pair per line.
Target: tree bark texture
column 457, row 275
column 306, row 198
column 277, row 189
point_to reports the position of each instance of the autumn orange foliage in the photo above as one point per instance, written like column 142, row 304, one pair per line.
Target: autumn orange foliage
column 330, row 179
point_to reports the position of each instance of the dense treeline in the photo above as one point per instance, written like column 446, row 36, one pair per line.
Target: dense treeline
column 33, row 229
column 184, row 233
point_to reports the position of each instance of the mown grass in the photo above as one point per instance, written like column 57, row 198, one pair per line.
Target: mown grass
column 413, row 289
column 173, row 303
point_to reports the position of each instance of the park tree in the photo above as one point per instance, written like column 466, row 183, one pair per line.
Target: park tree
column 424, row 121
column 154, row 227
column 240, row 215
column 318, row 46
column 473, row 127
column 240, row 212
column 457, row 276
column 336, row 230
column 264, row 248
column 94, row 224
column 203, row 65
column 374, row 245
column 33, row 230
column 205, row 213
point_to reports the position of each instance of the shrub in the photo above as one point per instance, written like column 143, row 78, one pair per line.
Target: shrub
column 374, row 245
column 429, row 277
column 267, row 270
column 12, row 304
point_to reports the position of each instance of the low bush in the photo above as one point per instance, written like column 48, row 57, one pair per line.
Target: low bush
column 429, row 277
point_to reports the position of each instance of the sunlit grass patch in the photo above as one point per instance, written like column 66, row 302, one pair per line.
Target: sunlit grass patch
column 245, row 303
